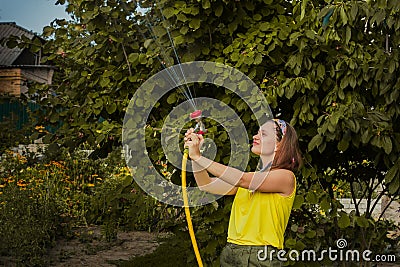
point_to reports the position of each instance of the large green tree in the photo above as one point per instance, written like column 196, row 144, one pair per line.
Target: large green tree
column 331, row 68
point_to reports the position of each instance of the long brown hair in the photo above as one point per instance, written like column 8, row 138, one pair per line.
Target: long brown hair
column 288, row 155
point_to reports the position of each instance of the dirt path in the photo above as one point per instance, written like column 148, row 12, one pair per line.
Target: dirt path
column 92, row 250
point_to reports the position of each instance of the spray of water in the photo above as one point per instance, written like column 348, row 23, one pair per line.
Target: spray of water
column 163, row 57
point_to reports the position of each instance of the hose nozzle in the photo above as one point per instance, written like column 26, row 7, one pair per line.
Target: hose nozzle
column 196, row 114
column 200, row 128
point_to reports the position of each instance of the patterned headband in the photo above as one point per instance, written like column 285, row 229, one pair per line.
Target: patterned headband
column 282, row 125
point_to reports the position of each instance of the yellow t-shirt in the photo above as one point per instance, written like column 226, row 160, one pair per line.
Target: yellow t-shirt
column 259, row 219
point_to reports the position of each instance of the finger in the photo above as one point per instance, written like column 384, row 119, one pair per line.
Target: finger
column 194, row 136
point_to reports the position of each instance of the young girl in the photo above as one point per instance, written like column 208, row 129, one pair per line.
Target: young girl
column 263, row 199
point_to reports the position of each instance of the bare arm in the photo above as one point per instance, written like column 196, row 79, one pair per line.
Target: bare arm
column 211, row 184
column 275, row 181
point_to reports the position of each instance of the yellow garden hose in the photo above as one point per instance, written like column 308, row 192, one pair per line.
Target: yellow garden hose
column 187, row 211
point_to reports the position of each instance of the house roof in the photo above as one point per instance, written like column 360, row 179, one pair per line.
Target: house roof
column 7, row 29
column 28, row 67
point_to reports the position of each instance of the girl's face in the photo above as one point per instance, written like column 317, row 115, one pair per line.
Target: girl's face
column 264, row 142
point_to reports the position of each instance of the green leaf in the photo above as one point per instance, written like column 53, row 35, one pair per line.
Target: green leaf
column 218, row 10
column 54, row 118
column 142, row 59
column 344, row 220
column 133, row 57
column 232, row 27
column 365, row 137
column 100, row 138
column 111, row 108
column 325, row 204
column 243, row 86
column 311, row 234
column 159, row 31
column 265, row 26
column 146, row 43
column 348, row 34
column 169, row 12
column 47, row 31
column 171, row 98
column 290, row 242
column 298, row 201
column 206, row 4
column 303, row 9
column 387, row 144
column 104, row 81
column 194, row 24
column 179, row 40
column 115, row 39
column 362, row 222
column 394, row 186
column 181, row 17
column 315, row 142
column 343, row 15
column 300, row 245
column 391, row 173
column 343, row 144
column 223, row 136
column 312, row 197
column 183, row 30
column 257, row 17
column 354, row 11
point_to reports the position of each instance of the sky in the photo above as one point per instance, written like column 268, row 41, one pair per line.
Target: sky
column 32, row 15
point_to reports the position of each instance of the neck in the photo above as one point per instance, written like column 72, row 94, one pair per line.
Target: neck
column 266, row 159
column 266, row 163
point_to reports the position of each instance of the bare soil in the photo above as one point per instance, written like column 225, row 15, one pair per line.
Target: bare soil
column 92, row 250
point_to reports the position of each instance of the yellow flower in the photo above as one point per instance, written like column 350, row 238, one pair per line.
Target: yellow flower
column 90, row 185
column 39, row 127
column 2, row 185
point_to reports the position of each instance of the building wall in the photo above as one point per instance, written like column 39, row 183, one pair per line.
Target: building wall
column 41, row 75
column 11, row 81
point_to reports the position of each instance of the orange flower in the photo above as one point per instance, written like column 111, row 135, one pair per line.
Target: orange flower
column 57, row 164
column 21, row 158
column 21, row 183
